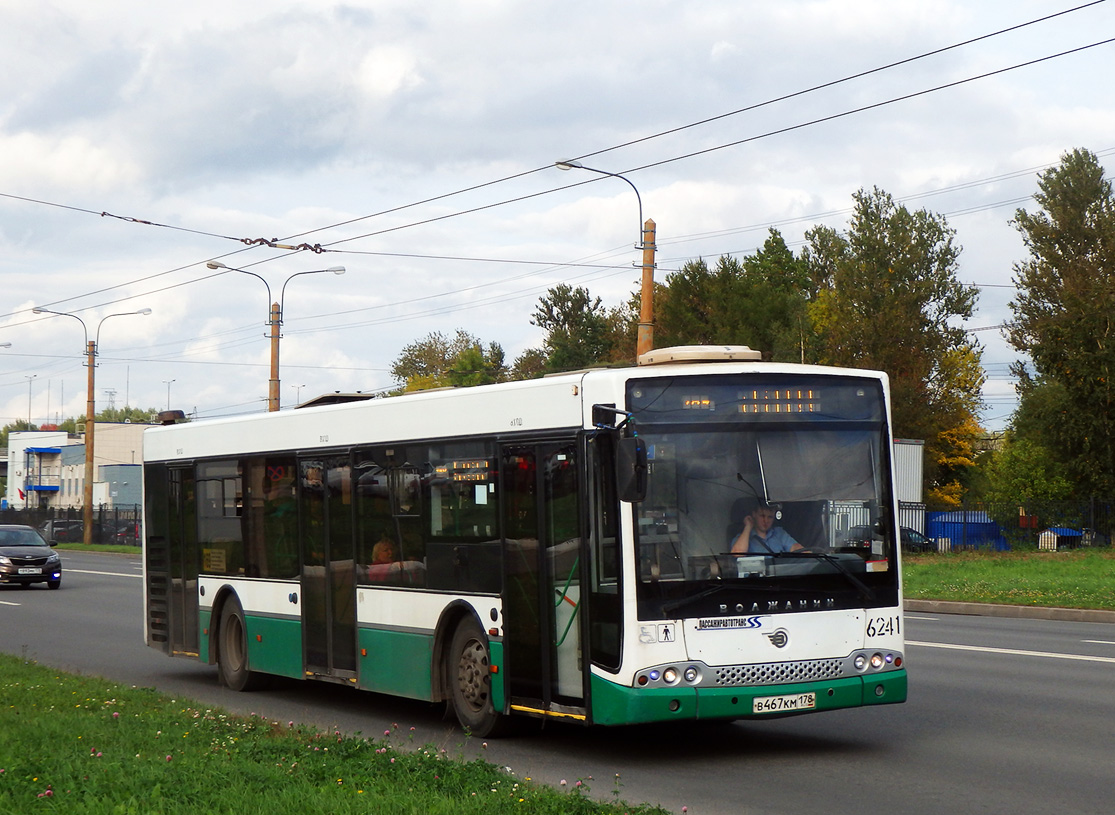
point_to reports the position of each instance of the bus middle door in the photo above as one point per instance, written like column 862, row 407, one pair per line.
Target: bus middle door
column 328, row 567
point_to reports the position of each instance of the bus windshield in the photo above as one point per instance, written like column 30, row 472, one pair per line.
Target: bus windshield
column 763, row 495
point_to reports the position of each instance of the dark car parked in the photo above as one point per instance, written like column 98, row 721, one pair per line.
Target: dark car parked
column 858, row 539
column 25, row 558
column 914, row 541
column 58, row 530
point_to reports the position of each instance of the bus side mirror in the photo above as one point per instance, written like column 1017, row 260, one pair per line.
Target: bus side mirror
column 631, row 469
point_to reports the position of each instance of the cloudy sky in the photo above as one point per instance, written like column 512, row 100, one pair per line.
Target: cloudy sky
column 414, row 143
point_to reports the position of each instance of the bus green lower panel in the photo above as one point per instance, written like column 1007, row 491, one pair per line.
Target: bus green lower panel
column 614, row 704
column 205, row 617
column 275, row 645
column 396, row 662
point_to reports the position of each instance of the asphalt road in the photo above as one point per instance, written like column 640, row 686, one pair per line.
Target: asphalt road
column 1005, row 716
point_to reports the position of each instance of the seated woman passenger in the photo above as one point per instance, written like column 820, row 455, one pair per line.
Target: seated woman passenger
column 384, row 551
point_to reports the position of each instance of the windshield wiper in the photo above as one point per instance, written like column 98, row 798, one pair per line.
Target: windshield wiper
column 862, row 588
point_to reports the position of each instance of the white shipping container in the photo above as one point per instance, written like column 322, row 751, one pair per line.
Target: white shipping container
column 909, row 469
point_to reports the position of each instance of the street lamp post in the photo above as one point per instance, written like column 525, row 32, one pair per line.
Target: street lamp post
column 274, row 320
column 90, row 409
column 646, row 243
column 168, row 382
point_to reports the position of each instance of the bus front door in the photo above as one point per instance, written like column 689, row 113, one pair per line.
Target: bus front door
column 542, row 586
column 328, row 570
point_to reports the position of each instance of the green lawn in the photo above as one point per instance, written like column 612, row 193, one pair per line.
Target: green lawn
column 85, row 746
column 1082, row 578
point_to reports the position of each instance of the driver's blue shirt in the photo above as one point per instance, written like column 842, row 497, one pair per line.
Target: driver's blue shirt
column 777, row 540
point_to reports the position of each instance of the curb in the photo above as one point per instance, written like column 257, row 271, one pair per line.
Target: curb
column 1076, row 615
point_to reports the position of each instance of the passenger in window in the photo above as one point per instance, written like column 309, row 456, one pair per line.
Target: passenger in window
column 760, row 536
column 384, row 551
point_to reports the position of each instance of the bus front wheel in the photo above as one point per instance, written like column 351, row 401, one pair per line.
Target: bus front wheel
column 470, row 681
column 232, row 649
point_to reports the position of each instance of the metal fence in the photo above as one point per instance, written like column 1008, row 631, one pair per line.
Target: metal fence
column 1048, row 525
column 111, row 525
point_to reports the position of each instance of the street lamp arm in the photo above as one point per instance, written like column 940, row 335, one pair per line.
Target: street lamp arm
column 97, row 340
column 282, row 292
column 85, row 328
column 576, row 165
column 216, row 264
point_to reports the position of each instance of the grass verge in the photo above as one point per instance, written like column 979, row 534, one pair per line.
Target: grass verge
column 115, row 548
column 89, row 747
column 1081, row 578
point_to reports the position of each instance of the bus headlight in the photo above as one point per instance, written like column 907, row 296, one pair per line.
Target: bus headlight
column 692, row 675
column 670, row 676
column 877, row 661
column 860, row 662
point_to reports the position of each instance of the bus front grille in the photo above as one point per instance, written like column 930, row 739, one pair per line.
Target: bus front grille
column 778, row 673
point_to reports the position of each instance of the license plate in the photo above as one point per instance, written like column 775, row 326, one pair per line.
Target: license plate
column 784, row 704
column 30, row 570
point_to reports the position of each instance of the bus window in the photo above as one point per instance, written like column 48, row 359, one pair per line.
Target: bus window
column 271, row 548
column 220, row 534
column 389, row 545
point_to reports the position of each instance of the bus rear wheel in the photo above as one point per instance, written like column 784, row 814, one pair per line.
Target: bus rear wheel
column 232, row 649
column 470, row 682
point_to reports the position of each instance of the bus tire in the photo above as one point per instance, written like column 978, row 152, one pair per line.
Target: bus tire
column 232, row 649
column 470, row 681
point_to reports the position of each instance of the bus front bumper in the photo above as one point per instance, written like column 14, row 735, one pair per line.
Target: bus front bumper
column 614, row 704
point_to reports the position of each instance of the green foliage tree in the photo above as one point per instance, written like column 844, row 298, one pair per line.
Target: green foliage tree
column 1025, row 480
column 887, row 297
column 440, row 361
column 530, row 364
column 759, row 301
column 127, row 414
column 1064, row 319
column 576, row 326
column 18, row 426
column 1023, row 472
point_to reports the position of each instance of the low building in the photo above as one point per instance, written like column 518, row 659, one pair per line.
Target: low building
column 46, row 469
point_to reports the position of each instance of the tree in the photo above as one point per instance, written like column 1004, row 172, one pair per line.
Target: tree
column 1023, row 472
column 18, row 426
column 439, row 361
column 577, row 328
column 127, row 414
column 531, row 364
column 759, row 301
column 1024, row 480
column 1064, row 319
column 887, row 297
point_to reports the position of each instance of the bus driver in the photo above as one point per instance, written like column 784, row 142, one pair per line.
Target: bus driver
column 760, row 536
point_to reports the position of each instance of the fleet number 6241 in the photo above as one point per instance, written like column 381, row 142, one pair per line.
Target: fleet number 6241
column 884, row 626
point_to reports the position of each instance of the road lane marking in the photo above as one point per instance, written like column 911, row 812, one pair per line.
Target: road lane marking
column 1099, row 642
column 109, row 574
column 1011, row 651
column 6, row 603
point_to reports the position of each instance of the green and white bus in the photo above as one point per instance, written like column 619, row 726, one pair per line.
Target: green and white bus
column 558, row 548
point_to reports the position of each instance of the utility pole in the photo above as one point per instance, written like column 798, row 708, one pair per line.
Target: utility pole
column 646, row 292
column 273, row 385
